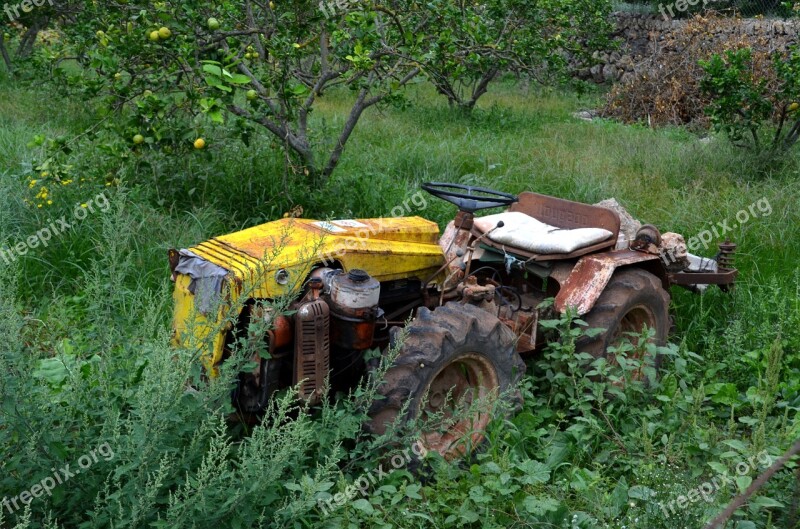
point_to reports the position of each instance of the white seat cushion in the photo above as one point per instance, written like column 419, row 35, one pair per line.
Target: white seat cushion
column 525, row 232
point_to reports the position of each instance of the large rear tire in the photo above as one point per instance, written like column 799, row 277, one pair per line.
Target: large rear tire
column 632, row 299
column 450, row 357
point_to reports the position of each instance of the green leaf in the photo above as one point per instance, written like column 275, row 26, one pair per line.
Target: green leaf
column 718, row 467
column 640, row 492
column 239, row 79
column 52, row 370
column 540, row 505
column 534, row 472
column 363, row 505
column 213, row 69
column 762, row 502
column 723, row 393
column 736, row 445
column 742, row 482
column 412, row 491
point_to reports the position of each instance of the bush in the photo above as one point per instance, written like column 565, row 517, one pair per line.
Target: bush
column 745, row 102
column 666, row 88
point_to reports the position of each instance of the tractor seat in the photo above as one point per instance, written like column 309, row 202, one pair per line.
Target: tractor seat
column 525, row 235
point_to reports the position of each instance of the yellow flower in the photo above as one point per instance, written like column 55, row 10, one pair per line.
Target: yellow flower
column 84, row 206
column 45, row 174
column 49, row 202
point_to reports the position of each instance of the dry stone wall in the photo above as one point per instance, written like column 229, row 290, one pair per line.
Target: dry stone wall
column 644, row 36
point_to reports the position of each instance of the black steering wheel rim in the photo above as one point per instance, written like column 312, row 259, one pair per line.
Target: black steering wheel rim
column 469, row 202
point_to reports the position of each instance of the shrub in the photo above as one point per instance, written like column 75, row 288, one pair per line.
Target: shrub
column 666, row 89
column 745, row 101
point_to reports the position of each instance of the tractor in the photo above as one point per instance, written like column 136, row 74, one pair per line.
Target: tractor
column 461, row 310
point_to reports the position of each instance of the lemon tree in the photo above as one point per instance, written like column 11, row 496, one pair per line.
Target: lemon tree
column 757, row 112
column 544, row 40
column 169, row 69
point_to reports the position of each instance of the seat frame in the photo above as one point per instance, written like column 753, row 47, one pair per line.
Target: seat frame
column 564, row 214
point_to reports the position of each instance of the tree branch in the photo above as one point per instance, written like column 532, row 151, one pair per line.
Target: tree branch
column 754, row 486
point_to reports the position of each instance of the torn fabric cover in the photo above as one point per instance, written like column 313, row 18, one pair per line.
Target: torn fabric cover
column 207, row 278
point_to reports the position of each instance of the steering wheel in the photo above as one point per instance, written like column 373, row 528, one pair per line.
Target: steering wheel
column 469, row 198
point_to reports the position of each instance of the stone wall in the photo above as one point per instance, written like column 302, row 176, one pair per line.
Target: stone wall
column 644, row 36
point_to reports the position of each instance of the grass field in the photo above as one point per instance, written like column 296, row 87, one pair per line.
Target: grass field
column 99, row 294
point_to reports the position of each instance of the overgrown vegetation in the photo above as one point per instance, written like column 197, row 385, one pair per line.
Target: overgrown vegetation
column 84, row 325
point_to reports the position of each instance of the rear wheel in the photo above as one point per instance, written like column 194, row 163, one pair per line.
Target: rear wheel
column 451, row 357
column 633, row 299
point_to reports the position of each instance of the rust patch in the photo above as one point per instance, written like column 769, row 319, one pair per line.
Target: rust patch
column 590, row 277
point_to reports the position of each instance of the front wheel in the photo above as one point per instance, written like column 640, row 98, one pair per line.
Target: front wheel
column 450, row 358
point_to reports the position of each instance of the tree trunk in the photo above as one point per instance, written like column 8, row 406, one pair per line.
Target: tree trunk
column 481, row 88
column 355, row 114
column 29, row 38
column 6, row 58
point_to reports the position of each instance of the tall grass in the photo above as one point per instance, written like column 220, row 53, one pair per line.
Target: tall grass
column 84, row 325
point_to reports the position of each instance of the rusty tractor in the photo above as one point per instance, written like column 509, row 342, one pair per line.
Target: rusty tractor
column 466, row 303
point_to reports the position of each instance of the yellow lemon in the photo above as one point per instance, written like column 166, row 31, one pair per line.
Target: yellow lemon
column 199, row 143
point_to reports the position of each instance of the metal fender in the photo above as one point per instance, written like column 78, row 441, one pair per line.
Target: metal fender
column 592, row 273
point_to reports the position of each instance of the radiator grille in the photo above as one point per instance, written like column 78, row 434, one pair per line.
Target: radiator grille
column 312, row 349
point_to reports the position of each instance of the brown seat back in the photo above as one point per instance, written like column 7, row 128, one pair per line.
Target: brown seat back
column 568, row 215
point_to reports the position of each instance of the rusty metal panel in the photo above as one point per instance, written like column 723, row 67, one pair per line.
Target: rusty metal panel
column 728, row 277
column 590, row 277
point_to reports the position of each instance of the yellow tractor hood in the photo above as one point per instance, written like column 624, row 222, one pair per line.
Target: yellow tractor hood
column 274, row 259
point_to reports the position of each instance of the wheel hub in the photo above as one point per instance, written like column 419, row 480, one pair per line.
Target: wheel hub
column 467, row 380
